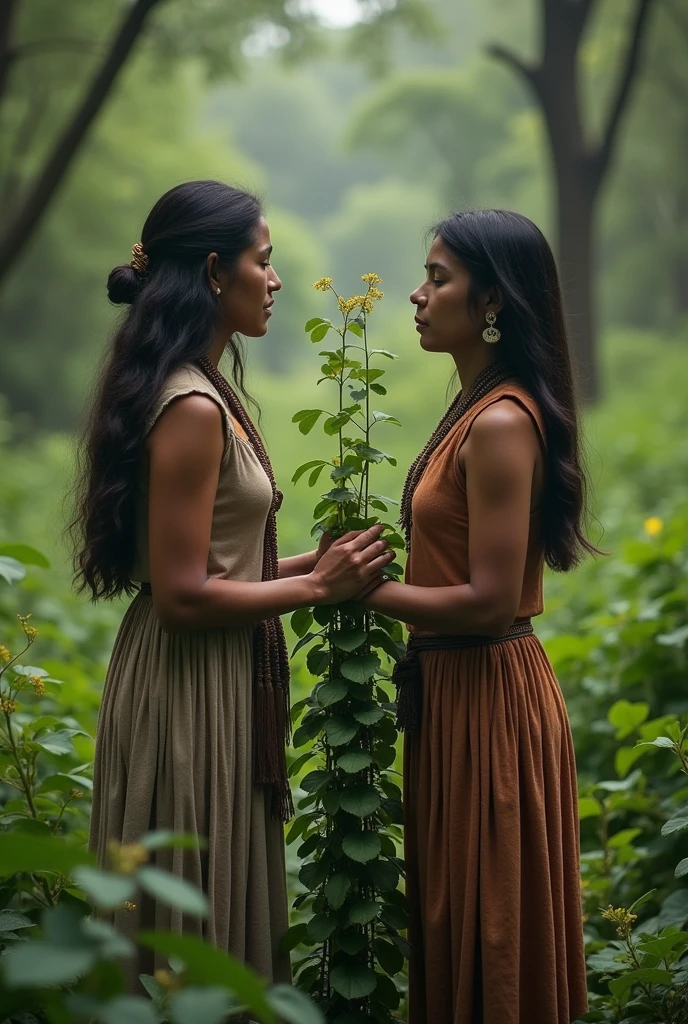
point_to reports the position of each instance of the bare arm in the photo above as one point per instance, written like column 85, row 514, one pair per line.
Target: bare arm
column 503, row 464
column 185, row 448
column 297, row 565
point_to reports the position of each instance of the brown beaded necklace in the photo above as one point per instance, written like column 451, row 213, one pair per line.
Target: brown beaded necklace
column 487, row 379
column 271, row 722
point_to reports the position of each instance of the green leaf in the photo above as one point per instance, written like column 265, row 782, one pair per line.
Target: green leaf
column 11, row 570
column 339, row 731
column 319, row 332
column 355, row 329
column 112, row 945
column 624, row 837
column 296, row 765
column 207, row 965
column 173, row 840
column 304, row 642
column 315, row 475
column 349, row 639
column 64, row 783
column 676, row 824
column 352, row 941
column 316, row 780
column 353, row 982
column 304, row 469
column 14, row 921
column 389, row 956
column 26, row 554
column 369, row 716
column 106, row 891
column 59, row 742
column 627, row 717
column 314, row 322
column 336, row 890
column 644, row 975
column 42, row 965
column 383, row 417
column 195, row 1004
column 359, row 670
column 317, row 661
column 322, row 926
column 291, row 1006
column 20, row 852
column 379, row 389
column 681, row 868
column 663, row 741
column 307, row 419
column 354, row 761
column 313, row 873
column 330, row 801
column 299, row 826
column 363, row 911
column 361, row 846
column 301, row 621
column 360, row 800
column 382, row 352
column 383, row 874
column 293, row 937
column 173, row 891
column 626, row 757
column 332, row 692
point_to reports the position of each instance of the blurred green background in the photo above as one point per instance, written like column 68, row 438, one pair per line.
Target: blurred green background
column 361, row 124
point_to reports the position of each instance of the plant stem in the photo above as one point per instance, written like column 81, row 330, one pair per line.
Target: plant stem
column 25, row 784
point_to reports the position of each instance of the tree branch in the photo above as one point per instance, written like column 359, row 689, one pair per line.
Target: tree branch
column 18, row 231
column 529, row 72
column 623, row 91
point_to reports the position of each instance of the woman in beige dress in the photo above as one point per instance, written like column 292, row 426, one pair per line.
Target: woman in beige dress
column 177, row 505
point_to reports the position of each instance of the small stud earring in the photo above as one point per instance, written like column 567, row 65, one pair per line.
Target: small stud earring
column 217, row 291
column 491, row 334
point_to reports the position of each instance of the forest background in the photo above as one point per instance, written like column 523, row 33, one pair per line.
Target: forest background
column 361, row 131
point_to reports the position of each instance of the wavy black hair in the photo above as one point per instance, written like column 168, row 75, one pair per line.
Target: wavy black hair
column 506, row 251
column 171, row 320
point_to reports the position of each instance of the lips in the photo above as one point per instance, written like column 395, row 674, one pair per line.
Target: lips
column 420, row 323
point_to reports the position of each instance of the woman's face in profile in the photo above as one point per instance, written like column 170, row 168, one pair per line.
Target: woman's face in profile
column 247, row 292
column 444, row 319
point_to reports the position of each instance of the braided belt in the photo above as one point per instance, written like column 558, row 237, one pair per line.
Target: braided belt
column 408, row 677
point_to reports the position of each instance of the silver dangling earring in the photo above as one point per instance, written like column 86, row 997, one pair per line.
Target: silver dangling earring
column 491, row 334
column 217, row 291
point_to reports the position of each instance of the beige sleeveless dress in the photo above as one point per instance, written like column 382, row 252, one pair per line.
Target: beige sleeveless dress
column 174, row 741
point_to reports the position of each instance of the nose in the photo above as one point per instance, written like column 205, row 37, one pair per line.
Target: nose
column 417, row 297
column 274, row 284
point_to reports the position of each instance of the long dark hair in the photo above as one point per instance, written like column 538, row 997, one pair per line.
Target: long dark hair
column 506, row 250
column 171, row 320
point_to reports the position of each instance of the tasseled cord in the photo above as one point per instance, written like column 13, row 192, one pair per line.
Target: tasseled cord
column 408, row 679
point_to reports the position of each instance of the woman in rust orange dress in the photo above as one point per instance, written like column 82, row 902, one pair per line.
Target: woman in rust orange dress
column 492, row 842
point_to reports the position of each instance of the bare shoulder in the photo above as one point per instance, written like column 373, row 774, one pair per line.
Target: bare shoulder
column 504, row 420
column 189, row 428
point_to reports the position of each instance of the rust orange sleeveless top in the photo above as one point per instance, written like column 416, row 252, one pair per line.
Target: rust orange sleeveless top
column 439, row 531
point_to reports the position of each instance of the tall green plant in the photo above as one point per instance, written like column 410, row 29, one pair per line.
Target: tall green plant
column 351, row 815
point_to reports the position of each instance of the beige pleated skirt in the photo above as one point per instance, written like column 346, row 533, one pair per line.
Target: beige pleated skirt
column 492, row 843
column 173, row 751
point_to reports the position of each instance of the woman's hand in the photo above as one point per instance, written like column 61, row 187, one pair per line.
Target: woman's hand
column 352, row 566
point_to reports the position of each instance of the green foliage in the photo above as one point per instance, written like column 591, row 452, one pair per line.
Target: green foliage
column 349, row 827
column 59, row 954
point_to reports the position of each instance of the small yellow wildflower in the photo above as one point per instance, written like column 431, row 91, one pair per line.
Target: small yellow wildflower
column 165, row 979
column 323, row 285
column 128, row 905
column 75, row 794
column 5, row 655
column 375, row 294
column 8, row 705
column 128, row 857
column 366, row 304
column 371, row 279
column 38, row 685
column 654, row 526
column 30, row 631
column 622, row 918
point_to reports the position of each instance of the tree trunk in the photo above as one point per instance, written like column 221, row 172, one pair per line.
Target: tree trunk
column 15, row 234
column 576, row 203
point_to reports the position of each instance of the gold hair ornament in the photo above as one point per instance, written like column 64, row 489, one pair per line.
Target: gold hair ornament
column 139, row 260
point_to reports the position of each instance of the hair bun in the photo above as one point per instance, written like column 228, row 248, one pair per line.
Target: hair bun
column 124, row 285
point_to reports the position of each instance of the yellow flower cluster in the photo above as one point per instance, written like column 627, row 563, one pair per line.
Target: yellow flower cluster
column 30, row 631
column 622, row 918
column 128, row 857
column 347, row 306
column 38, row 685
column 8, row 705
column 371, row 279
column 75, row 794
column 653, row 526
column 323, row 285
column 5, row 655
column 128, row 905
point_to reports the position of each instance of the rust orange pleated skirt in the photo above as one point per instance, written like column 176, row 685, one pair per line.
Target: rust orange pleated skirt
column 492, row 843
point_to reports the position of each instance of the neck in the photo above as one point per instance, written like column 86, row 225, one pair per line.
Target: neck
column 470, row 364
column 216, row 350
